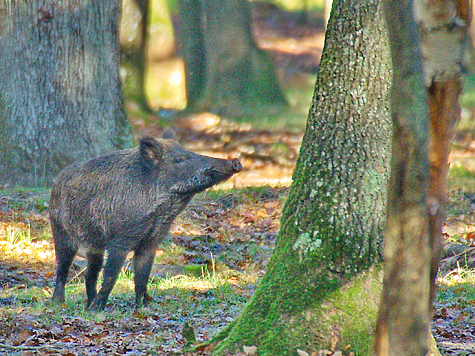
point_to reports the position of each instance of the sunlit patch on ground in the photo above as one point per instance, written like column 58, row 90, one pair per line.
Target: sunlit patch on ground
column 454, row 317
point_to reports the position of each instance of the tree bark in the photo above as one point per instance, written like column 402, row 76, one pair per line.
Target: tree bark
column 404, row 315
column 412, row 259
column 323, row 279
column 60, row 88
column 444, row 30
column 133, row 45
column 193, row 46
column 225, row 71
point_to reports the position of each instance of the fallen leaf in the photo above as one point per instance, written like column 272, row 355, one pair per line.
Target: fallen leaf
column 302, row 353
column 250, row 350
column 23, row 336
column 471, row 236
column 334, row 342
column 27, row 353
column 271, row 204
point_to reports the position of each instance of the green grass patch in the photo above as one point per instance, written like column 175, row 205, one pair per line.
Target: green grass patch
column 15, row 235
column 457, row 288
column 26, row 198
column 467, row 98
column 461, row 177
column 185, row 296
column 275, row 118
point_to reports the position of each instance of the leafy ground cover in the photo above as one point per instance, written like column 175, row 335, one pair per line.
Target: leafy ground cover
column 204, row 271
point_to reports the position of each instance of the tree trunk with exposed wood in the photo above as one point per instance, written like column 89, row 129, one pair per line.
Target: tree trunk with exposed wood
column 403, row 321
column 425, row 108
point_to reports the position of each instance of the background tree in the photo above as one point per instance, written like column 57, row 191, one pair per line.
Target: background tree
column 224, row 69
column 319, row 282
column 146, row 40
column 60, row 87
column 133, row 44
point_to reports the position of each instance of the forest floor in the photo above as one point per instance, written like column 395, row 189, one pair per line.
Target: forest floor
column 208, row 267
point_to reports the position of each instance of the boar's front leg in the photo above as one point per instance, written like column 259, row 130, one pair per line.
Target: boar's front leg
column 115, row 261
column 94, row 266
column 143, row 261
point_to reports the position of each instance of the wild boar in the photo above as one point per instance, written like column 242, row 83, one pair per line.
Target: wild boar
column 121, row 202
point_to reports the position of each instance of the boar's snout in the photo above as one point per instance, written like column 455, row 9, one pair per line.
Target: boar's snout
column 222, row 169
column 236, row 166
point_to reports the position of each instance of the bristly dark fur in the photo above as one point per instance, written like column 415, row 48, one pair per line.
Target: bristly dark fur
column 122, row 202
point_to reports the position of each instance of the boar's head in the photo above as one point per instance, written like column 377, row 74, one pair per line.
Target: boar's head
column 183, row 172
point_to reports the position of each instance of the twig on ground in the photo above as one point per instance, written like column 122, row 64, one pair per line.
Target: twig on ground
column 22, row 347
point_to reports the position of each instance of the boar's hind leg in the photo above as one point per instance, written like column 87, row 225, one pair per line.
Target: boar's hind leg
column 65, row 252
column 143, row 261
column 94, row 265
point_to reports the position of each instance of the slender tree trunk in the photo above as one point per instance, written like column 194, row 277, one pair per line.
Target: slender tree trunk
column 193, row 46
column 444, row 30
column 225, row 70
column 403, row 321
column 413, row 252
column 323, row 279
column 60, row 87
column 133, row 44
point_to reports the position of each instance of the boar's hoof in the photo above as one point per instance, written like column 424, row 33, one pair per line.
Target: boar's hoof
column 97, row 305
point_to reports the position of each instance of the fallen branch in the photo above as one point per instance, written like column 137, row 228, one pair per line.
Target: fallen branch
column 22, row 347
column 461, row 146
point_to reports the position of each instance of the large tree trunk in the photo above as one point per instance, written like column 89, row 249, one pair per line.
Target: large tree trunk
column 225, row 71
column 324, row 278
column 59, row 86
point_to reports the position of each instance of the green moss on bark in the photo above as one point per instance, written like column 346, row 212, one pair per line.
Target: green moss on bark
column 308, row 323
column 321, row 278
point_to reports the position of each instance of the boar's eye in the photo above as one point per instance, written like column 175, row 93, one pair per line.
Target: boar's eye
column 178, row 159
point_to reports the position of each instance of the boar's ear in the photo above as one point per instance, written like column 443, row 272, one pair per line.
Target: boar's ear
column 169, row 134
column 151, row 152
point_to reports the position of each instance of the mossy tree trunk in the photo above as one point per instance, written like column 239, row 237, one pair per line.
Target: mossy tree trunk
column 60, row 87
column 324, row 279
column 225, row 71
